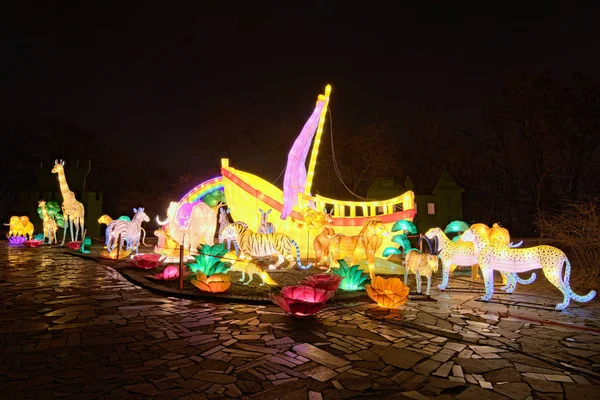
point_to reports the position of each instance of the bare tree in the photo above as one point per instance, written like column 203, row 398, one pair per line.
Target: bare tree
column 576, row 230
column 548, row 137
column 358, row 157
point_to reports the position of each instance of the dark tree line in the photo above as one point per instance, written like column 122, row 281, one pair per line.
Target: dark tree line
column 538, row 150
column 125, row 182
column 546, row 134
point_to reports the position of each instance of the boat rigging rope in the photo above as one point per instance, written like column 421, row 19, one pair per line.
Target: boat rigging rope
column 335, row 165
column 281, row 173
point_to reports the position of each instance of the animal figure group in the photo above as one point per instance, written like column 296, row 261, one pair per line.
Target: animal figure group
column 493, row 255
column 129, row 231
column 465, row 253
column 330, row 247
column 251, row 244
column 20, row 226
column 363, row 245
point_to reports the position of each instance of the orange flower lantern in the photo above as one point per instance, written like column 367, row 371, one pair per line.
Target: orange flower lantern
column 216, row 283
column 387, row 293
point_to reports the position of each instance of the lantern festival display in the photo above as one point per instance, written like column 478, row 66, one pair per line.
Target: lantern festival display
column 387, row 293
column 402, row 229
column 48, row 214
column 17, row 239
column 73, row 210
column 247, row 194
column 19, row 227
column 494, row 256
column 258, row 245
column 167, row 246
column 353, row 277
column 327, row 282
column 216, row 283
column 370, row 239
column 420, row 264
column 147, row 261
column 74, row 245
column 190, row 224
column 211, row 260
column 115, row 253
column 170, row 273
column 464, row 253
column 300, row 300
column 249, row 268
column 129, row 232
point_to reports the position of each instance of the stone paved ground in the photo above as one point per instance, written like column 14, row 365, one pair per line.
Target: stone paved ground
column 72, row 328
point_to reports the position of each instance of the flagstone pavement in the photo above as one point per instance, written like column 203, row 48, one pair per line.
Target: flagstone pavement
column 71, row 328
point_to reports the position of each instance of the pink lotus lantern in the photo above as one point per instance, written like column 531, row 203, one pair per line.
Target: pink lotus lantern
column 33, row 243
column 327, row 282
column 17, row 239
column 147, row 261
column 169, row 273
column 301, row 301
column 74, row 245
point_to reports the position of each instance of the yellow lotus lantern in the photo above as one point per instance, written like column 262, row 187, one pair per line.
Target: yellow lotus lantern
column 123, row 254
column 216, row 283
column 387, row 293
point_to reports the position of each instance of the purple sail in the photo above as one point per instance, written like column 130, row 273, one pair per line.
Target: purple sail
column 295, row 172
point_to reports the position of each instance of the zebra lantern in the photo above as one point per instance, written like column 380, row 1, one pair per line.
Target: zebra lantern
column 130, row 231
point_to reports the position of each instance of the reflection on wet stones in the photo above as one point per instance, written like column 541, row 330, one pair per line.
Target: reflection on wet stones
column 72, row 327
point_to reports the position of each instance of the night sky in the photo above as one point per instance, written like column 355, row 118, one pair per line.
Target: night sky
column 146, row 75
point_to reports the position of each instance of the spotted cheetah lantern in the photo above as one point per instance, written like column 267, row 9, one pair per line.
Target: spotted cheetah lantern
column 500, row 257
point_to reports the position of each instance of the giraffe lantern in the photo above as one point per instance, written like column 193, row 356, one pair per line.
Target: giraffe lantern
column 50, row 226
column 73, row 210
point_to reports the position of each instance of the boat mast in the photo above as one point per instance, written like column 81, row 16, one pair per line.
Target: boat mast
column 315, row 149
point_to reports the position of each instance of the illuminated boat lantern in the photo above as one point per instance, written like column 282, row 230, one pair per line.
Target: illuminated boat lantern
column 246, row 193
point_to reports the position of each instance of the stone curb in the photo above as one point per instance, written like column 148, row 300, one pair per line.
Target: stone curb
column 223, row 297
column 197, row 295
column 189, row 295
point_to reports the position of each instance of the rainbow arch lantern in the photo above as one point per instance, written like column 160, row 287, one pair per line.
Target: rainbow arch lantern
column 170, row 234
column 198, row 193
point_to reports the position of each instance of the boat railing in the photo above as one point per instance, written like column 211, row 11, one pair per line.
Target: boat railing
column 405, row 201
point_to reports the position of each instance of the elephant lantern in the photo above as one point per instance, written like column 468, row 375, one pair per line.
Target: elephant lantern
column 190, row 224
column 20, row 226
